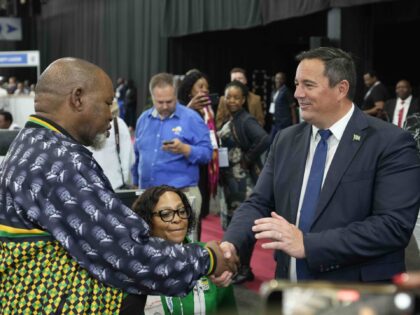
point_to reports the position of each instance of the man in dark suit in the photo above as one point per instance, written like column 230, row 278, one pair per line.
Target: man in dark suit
column 398, row 109
column 339, row 194
column 283, row 106
column 376, row 95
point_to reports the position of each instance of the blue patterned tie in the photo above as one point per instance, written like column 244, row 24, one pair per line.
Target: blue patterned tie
column 310, row 200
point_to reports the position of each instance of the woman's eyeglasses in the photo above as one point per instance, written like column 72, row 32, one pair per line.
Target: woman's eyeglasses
column 167, row 215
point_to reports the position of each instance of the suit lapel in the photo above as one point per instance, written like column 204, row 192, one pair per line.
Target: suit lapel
column 392, row 110
column 353, row 138
column 297, row 165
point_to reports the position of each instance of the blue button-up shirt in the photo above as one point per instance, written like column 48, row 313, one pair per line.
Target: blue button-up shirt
column 153, row 165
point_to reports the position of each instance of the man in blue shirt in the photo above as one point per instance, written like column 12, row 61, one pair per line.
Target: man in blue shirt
column 171, row 141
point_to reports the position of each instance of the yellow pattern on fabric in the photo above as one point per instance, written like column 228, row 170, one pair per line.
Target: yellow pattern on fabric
column 42, row 123
column 40, row 278
column 16, row 232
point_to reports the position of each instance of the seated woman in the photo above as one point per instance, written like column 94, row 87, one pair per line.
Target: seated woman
column 169, row 214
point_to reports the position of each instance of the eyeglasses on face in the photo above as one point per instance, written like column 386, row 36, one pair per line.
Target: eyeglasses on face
column 167, row 215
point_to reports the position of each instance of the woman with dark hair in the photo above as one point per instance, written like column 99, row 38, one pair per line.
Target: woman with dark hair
column 130, row 104
column 245, row 141
column 167, row 211
column 193, row 92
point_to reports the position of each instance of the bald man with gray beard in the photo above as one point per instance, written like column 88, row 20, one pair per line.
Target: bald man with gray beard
column 73, row 261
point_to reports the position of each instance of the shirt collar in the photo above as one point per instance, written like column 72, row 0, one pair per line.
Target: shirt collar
column 36, row 121
column 154, row 113
column 407, row 101
column 337, row 129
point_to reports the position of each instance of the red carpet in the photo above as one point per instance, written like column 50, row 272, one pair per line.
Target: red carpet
column 262, row 261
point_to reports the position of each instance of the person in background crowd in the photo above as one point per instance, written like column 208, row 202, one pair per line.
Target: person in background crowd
column 283, row 106
column 117, row 155
column 120, row 95
column 172, row 141
column 193, row 92
column 3, row 91
column 32, row 90
column 398, row 109
column 20, row 89
column 376, row 95
column 68, row 245
column 245, row 140
column 339, row 194
column 168, row 213
column 11, row 85
column 130, row 104
column 6, row 121
column 254, row 104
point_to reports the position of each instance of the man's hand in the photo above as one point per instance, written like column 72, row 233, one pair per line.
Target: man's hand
column 285, row 236
column 223, row 263
column 177, row 146
column 230, row 255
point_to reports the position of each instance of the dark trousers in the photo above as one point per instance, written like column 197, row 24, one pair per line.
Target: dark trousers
column 133, row 304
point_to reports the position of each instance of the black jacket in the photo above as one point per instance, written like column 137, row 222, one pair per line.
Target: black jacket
column 249, row 135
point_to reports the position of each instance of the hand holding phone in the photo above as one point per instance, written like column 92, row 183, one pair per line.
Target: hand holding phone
column 175, row 145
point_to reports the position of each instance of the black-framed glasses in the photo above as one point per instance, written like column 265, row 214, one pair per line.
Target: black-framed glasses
column 167, row 215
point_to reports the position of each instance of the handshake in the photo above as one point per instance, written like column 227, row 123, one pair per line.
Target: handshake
column 225, row 258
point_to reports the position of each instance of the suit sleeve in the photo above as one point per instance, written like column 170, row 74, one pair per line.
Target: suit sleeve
column 394, row 205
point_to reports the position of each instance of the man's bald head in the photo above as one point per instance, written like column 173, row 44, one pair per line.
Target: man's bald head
column 77, row 95
column 64, row 74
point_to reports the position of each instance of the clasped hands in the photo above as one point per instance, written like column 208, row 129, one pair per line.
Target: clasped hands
column 283, row 236
column 227, row 263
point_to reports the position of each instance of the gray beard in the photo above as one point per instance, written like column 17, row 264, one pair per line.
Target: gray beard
column 99, row 141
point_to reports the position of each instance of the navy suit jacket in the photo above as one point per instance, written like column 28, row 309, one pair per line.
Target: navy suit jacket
column 282, row 112
column 367, row 208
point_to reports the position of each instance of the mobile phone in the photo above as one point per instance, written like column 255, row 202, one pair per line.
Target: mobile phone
column 214, row 99
column 165, row 142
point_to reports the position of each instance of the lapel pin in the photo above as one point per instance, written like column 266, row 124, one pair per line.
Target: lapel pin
column 356, row 137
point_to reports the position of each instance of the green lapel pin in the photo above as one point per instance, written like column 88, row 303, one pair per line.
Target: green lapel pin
column 356, row 137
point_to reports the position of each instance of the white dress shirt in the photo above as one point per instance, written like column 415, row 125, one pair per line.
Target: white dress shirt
column 107, row 157
column 337, row 131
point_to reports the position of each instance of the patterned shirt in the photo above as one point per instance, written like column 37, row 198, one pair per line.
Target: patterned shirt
column 51, row 189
